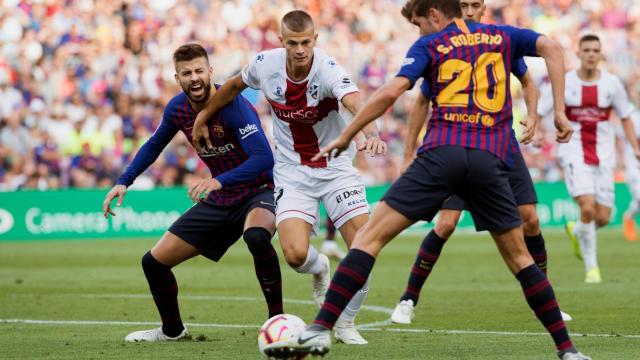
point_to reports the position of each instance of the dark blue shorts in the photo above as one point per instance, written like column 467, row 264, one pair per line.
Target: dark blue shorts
column 212, row 229
column 521, row 186
column 476, row 176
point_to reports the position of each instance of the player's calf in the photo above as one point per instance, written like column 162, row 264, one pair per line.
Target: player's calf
column 267, row 267
column 164, row 289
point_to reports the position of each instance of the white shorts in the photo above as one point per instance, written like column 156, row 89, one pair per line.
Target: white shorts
column 583, row 179
column 632, row 172
column 299, row 190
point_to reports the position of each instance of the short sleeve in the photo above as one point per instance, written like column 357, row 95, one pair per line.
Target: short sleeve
column 519, row 67
column 416, row 62
column 336, row 79
column 250, row 75
column 523, row 41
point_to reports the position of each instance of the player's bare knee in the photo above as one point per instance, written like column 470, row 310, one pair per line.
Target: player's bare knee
column 444, row 229
column 602, row 221
column 531, row 224
column 294, row 257
column 587, row 213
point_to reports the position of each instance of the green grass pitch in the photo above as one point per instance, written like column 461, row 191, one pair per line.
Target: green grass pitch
column 87, row 295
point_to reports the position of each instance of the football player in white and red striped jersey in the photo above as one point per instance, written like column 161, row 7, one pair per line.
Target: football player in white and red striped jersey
column 307, row 90
column 588, row 159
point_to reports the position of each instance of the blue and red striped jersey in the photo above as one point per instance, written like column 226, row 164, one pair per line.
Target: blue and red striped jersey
column 519, row 69
column 466, row 67
column 241, row 158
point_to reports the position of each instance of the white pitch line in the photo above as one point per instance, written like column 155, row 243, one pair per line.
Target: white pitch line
column 248, row 326
column 379, row 309
column 100, row 322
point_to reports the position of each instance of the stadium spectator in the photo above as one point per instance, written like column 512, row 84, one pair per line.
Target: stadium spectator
column 63, row 63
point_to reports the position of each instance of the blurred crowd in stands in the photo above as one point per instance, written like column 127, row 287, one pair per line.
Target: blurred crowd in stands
column 83, row 83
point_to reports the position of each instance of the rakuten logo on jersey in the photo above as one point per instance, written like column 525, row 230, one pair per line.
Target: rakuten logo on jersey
column 307, row 116
column 248, row 130
column 217, row 150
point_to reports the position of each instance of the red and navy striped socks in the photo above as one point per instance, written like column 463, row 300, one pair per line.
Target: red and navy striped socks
column 535, row 245
column 542, row 301
column 349, row 277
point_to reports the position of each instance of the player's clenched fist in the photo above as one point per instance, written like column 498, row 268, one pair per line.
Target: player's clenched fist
column 117, row 191
column 563, row 127
column 202, row 188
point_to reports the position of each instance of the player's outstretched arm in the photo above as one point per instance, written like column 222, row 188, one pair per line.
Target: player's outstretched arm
column 148, row 153
column 379, row 102
column 417, row 118
column 217, row 101
column 551, row 51
column 372, row 144
column 530, row 123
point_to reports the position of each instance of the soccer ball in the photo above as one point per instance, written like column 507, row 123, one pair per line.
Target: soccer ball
column 278, row 328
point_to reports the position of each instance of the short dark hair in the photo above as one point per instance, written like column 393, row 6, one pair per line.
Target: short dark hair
column 450, row 8
column 297, row 20
column 588, row 37
column 188, row 52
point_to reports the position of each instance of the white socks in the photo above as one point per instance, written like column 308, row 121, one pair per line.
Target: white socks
column 349, row 313
column 311, row 264
column 586, row 234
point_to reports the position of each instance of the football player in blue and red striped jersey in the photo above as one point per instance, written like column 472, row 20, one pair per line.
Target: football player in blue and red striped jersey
column 236, row 201
column 520, row 181
column 470, row 149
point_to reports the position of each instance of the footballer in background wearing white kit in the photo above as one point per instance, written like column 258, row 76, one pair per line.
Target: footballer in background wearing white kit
column 632, row 175
column 588, row 159
column 307, row 90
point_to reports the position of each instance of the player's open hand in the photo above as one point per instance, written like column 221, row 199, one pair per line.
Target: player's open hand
column 530, row 125
column 202, row 188
column 117, row 191
column 200, row 131
column 373, row 146
column 333, row 149
column 564, row 130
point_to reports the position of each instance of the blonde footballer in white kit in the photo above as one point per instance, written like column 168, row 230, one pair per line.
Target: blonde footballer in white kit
column 307, row 90
column 588, row 159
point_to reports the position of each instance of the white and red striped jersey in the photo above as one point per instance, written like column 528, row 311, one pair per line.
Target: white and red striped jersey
column 588, row 106
column 306, row 114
